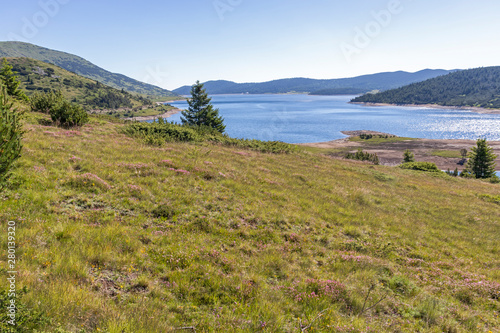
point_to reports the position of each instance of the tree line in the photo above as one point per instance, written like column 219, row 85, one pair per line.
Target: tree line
column 478, row 87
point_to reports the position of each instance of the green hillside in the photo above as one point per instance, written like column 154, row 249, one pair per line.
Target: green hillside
column 117, row 236
column 38, row 76
column 82, row 67
column 478, row 87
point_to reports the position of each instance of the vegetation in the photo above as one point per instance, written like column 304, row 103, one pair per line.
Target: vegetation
column 356, row 85
column 9, row 79
column 80, row 66
column 60, row 110
column 201, row 112
column 38, row 78
column 10, row 135
column 449, row 153
column 68, row 114
column 420, row 166
column 408, row 156
column 478, row 87
column 159, row 133
column 378, row 138
column 360, row 155
column 117, row 236
column 481, row 162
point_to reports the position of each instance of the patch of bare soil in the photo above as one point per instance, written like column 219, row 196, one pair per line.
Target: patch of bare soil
column 391, row 153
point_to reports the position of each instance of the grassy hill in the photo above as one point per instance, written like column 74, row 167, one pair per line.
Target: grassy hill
column 478, row 87
column 116, row 236
column 38, row 76
column 356, row 85
column 82, row 67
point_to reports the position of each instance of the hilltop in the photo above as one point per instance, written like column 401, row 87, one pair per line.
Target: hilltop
column 479, row 87
column 355, row 85
column 82, row 67
column 118, row 236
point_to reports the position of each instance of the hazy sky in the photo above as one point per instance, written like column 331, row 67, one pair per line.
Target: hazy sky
column 172, row 43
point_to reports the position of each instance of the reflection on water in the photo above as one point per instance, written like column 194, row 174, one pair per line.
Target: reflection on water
column 303, row 118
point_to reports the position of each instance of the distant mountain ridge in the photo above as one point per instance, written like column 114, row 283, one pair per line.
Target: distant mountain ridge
column 479, row 87
column 354, row 85
column 81, row 67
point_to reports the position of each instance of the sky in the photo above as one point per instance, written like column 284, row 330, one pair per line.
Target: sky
column 174, row 43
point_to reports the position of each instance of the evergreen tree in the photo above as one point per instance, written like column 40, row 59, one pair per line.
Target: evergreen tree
column 481, row 162
column 10, row 135
column 201, row 112
column 10, row 81
column 408, row 156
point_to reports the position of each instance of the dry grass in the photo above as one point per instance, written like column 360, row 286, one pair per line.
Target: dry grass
column 113, row 238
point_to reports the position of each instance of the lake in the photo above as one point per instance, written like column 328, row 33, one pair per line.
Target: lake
column 304, row 118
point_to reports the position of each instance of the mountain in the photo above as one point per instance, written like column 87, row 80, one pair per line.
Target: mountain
column 478, row 87
column 355, row 85
column 39, row 76
column 82, row 67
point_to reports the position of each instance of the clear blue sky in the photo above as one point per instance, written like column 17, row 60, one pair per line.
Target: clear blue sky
column 173, row 43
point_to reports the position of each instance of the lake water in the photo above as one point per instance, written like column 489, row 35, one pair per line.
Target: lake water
column 304, row 118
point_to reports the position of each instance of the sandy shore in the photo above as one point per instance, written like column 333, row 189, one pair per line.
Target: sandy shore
column 164, row 115
column 435, row 106
column 391, row 153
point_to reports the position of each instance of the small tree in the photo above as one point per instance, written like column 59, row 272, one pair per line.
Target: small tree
column 463, row 153
column 9, row 79
column 408, row 156
column 481, row 162
column 201, row 112
column 10, row 135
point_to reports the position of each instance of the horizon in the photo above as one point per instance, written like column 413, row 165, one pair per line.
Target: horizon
column 261, row 41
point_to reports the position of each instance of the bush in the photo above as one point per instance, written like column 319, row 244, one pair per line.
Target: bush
column 420, row 166
column 363, row 156
column 45, row 102
column 157, row 133
column 10, row 135
column 69, row 114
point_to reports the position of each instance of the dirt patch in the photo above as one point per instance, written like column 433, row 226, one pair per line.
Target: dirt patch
column 391, row 153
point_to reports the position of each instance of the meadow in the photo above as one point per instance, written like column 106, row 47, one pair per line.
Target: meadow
column 115, row 235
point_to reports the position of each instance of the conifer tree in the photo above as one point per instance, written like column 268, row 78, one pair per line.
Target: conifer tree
column 201, row 112
column 408, row 156
column 10, row 135
column 481, row 162
column 10, row 81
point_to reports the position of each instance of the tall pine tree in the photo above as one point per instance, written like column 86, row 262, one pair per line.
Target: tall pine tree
column 10, row 81
column 481, row 162
column 201, row 112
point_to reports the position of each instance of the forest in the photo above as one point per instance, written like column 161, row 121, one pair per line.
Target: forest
column 479, row 87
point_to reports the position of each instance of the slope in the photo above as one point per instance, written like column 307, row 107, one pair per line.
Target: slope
column 359, row 84
column 82, row 67
column 117, row 236
column 478, row 87
column 39, row 76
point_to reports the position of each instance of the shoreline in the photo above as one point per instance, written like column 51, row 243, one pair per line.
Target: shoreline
column 390, row 152
column 434, row 106
column 167, row 114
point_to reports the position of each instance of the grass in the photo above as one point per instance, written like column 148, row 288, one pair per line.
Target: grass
column 117, row 236
column 380, row 139
column 446, row 153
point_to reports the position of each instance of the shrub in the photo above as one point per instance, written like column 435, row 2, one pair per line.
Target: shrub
column 360, row 155
column 420, row 166
column 45, row 102
column 157, row 133
column 408, row 156
column 10, row 135
column 68, row 114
